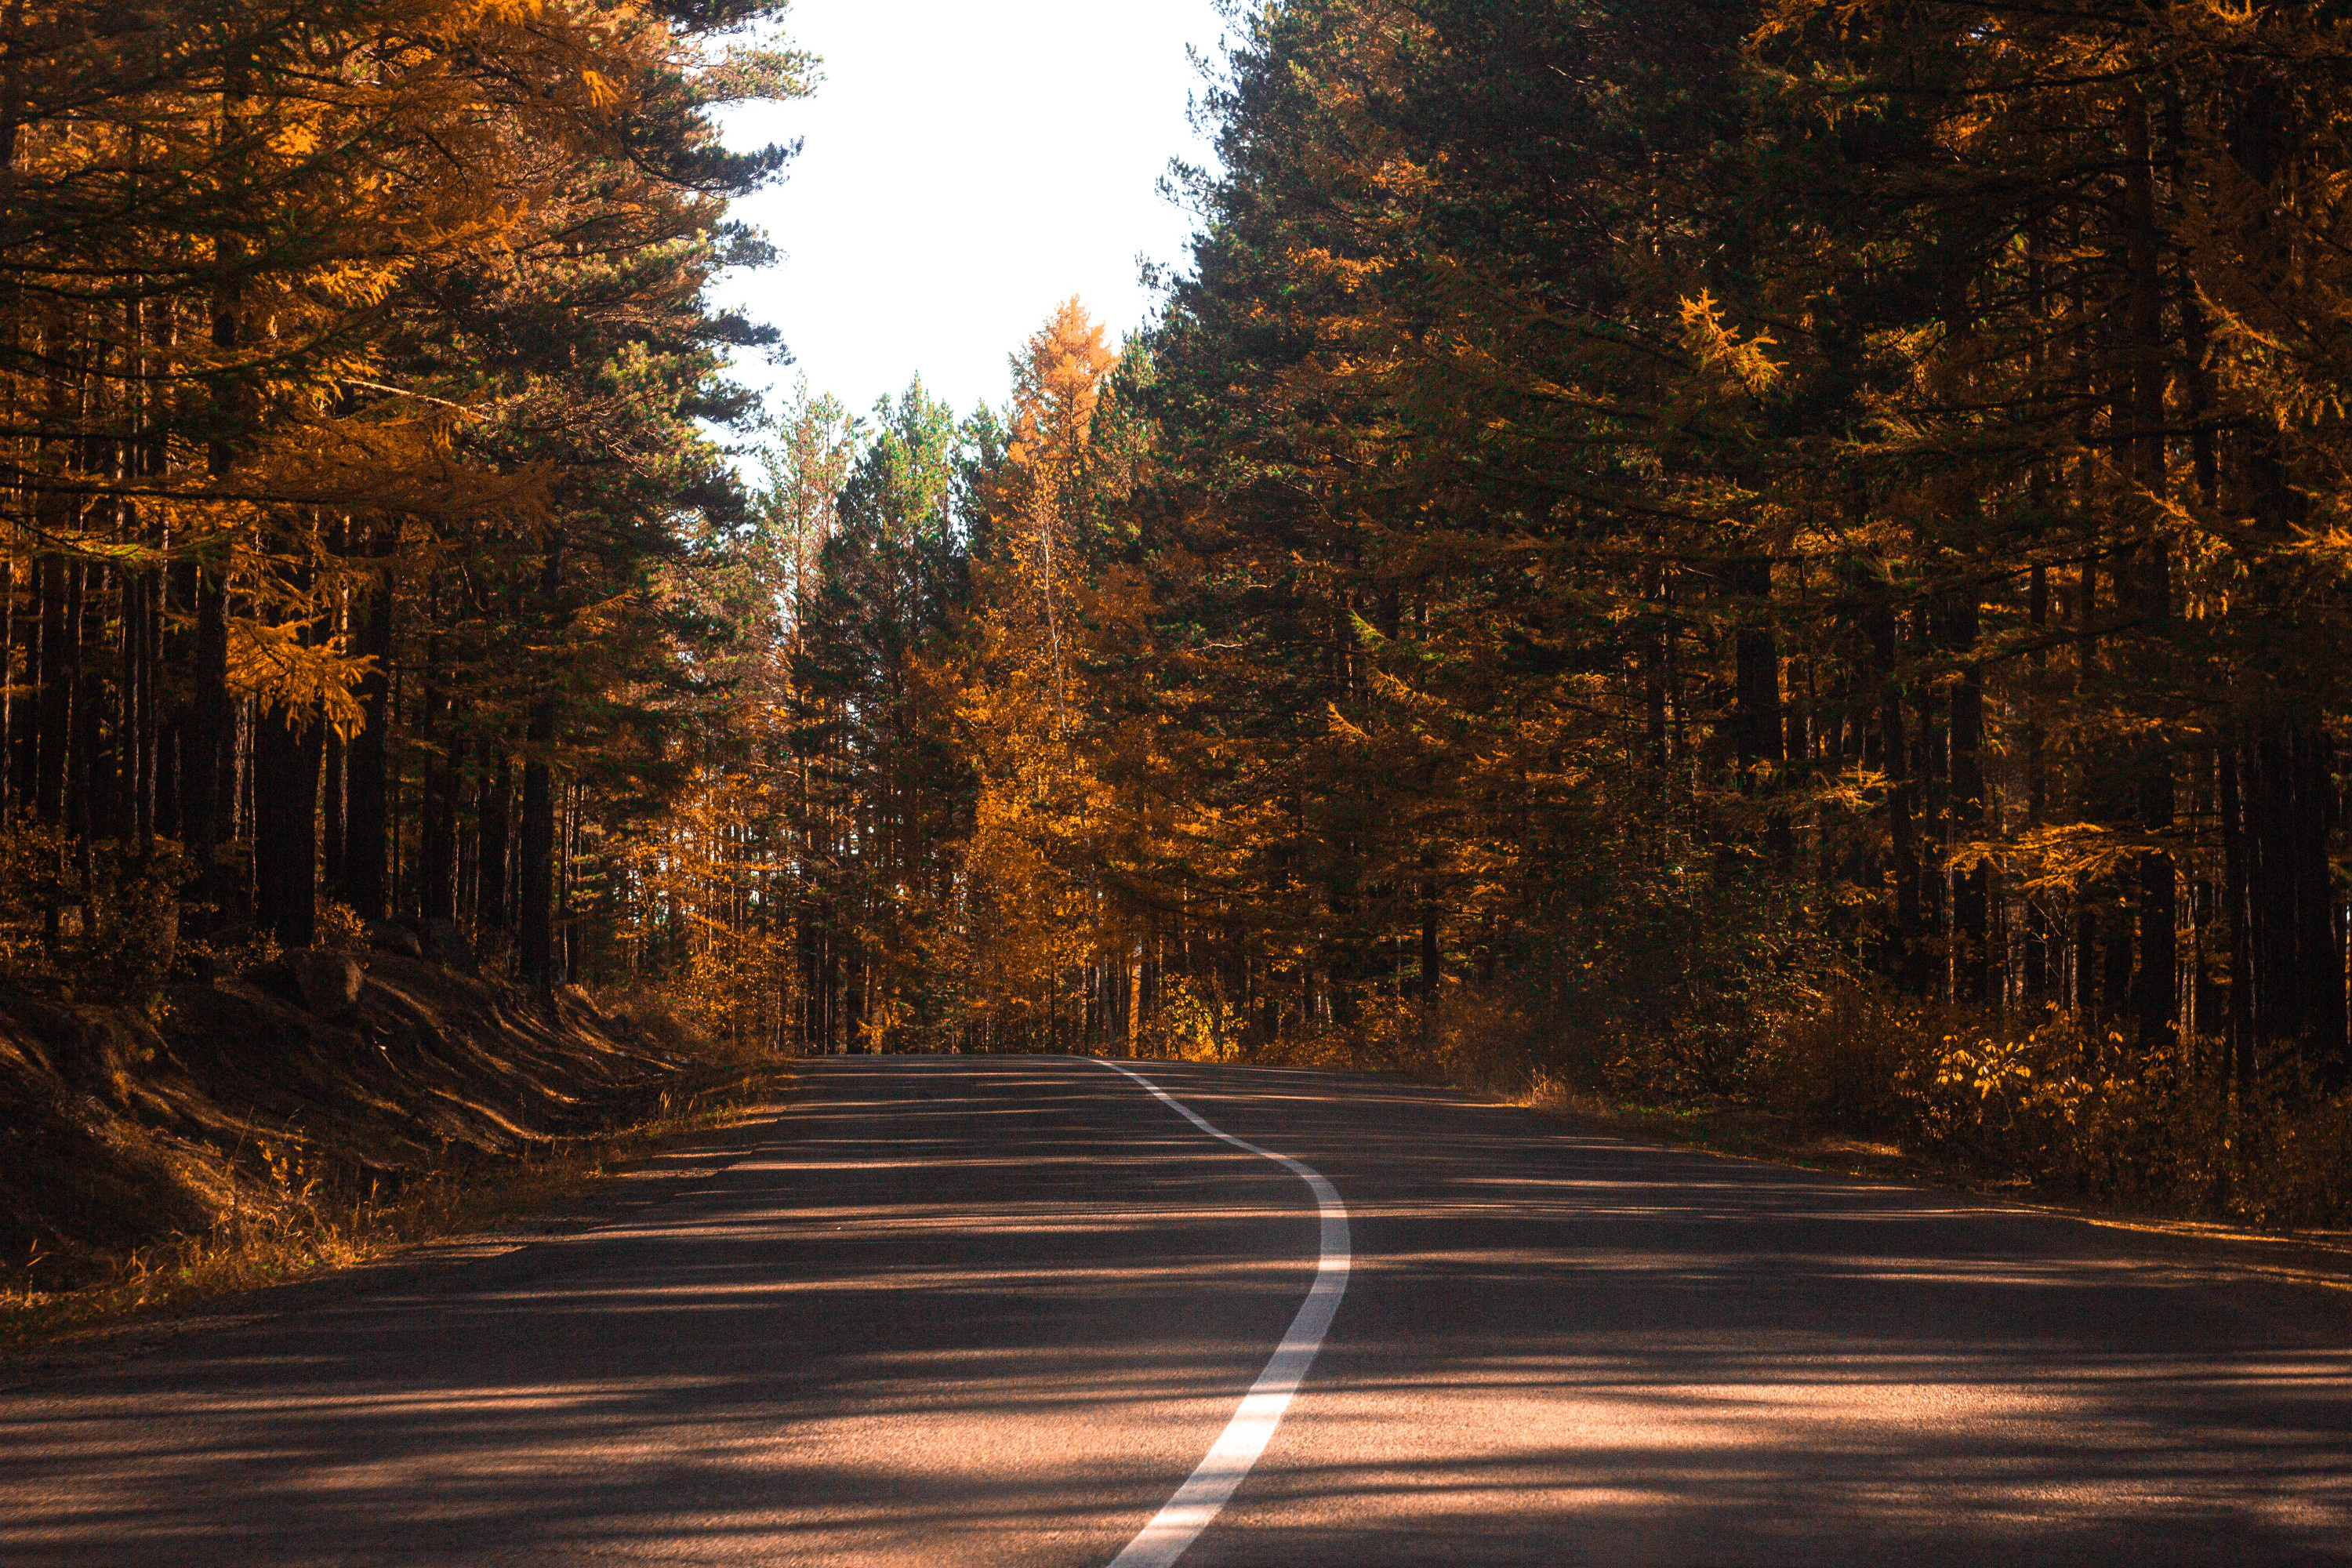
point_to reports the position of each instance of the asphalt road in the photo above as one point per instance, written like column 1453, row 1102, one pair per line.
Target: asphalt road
column 948, row 1310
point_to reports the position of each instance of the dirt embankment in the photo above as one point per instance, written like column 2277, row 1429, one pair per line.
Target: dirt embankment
column 294, row 1095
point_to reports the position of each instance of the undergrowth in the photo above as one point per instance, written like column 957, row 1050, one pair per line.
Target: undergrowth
column 2074, row 1110
column 291, row 1218
column 2031, row 1100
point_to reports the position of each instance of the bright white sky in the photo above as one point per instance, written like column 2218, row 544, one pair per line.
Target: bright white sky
column 965, row 167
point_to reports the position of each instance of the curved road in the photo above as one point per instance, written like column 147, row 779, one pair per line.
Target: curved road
column 948, row 1310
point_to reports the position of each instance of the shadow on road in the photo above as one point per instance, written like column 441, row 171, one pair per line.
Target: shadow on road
column 992, row 1310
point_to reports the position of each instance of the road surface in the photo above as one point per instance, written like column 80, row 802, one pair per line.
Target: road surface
column 996, row 1310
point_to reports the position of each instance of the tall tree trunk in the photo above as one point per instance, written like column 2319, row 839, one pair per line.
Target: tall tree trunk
column 54, row 690
column 331, row 810
column 91, row 812
column 534, row 930
column 23, row 674
column 214, row 800
column 2296, row 1001
column 2092, row 899
column 207, row 754
column 145, row 655
column 2236, row 900
column 490, row 912
column 2156, row 1004
column 1757, row 686
column 2039, row 931
column 1431, row 976
column 1655, row 660
column 367, row 762
column 437, row 826
column 286, row 746
column 1907, row 954
column 1971, row 887
column 2321, row 967
column 534, row 947
column 1931, row 772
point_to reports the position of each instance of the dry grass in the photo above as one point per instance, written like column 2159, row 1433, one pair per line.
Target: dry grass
column 294, row 1230
column 2015, row 1108
column 1724, row 1126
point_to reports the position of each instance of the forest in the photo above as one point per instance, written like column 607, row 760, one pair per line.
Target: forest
column 1779, row 553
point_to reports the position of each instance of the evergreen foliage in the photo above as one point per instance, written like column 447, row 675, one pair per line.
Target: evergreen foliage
column 1647, row 536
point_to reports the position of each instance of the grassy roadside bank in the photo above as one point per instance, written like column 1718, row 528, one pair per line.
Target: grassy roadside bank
column 1746, row 1132
column 301, row 1239
column 261, row 1127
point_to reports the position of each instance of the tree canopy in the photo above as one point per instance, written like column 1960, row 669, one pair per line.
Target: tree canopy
column 1793, row 552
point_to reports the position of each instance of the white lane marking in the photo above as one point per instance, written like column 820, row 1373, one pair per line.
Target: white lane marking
column 1212, row 1481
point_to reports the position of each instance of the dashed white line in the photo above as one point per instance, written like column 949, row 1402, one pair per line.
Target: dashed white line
column 1213, row 1479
